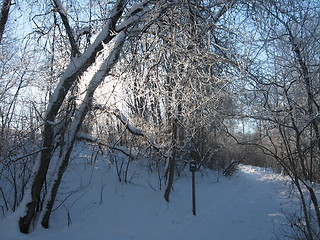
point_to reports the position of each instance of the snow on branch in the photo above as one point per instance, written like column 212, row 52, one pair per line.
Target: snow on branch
column 81, row 63
column 138, row 132
column 132, row 129
column 88, row 138
column 134, row 13
column 63, row 14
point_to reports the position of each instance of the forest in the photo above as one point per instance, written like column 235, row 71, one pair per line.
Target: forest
column 165, row 80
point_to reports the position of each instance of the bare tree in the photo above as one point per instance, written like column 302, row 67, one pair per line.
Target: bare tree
column 175, row 85
column 282, row 94
column 113, row 34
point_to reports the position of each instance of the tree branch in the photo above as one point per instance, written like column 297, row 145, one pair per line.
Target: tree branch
column 4, row 15
column 63, row 14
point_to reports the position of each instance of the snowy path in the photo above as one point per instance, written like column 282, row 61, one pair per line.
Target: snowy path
column 244, row 207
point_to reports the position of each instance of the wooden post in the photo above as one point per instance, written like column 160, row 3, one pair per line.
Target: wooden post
column 194, row 192
column 193, row 169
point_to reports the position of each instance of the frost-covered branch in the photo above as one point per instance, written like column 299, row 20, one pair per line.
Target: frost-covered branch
column 135, row 131
column 63, row 14
column 131, row 128
column 134, row 13
column 78, row 65
column 91, row 139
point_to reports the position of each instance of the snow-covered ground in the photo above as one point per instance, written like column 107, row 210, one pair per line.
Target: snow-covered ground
column 246, row 206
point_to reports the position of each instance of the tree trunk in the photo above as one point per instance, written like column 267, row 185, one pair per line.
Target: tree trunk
column 72, row 129
column 38, row 180
column 72, row 73
column 4, row 15
column 314, row 201
column 49, row 202
column 172, row 160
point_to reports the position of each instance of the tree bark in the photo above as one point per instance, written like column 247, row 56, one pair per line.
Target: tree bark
column 74, row 46
column 4, row 15
column 172, row 160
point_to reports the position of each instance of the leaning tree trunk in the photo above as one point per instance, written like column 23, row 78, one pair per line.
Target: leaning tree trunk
column 172, row 160
column 74, row 71
column 72, row 130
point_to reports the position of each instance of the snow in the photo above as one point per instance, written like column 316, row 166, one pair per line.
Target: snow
column 125, row 121
column 137, row 6
column 80, row 62
column 137, row 131
column 60, row 7
column 243, row 207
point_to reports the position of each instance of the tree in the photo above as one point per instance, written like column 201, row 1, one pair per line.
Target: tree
column 122, row 24
column 282, row 93
column 175, row 83
column 19, row 121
